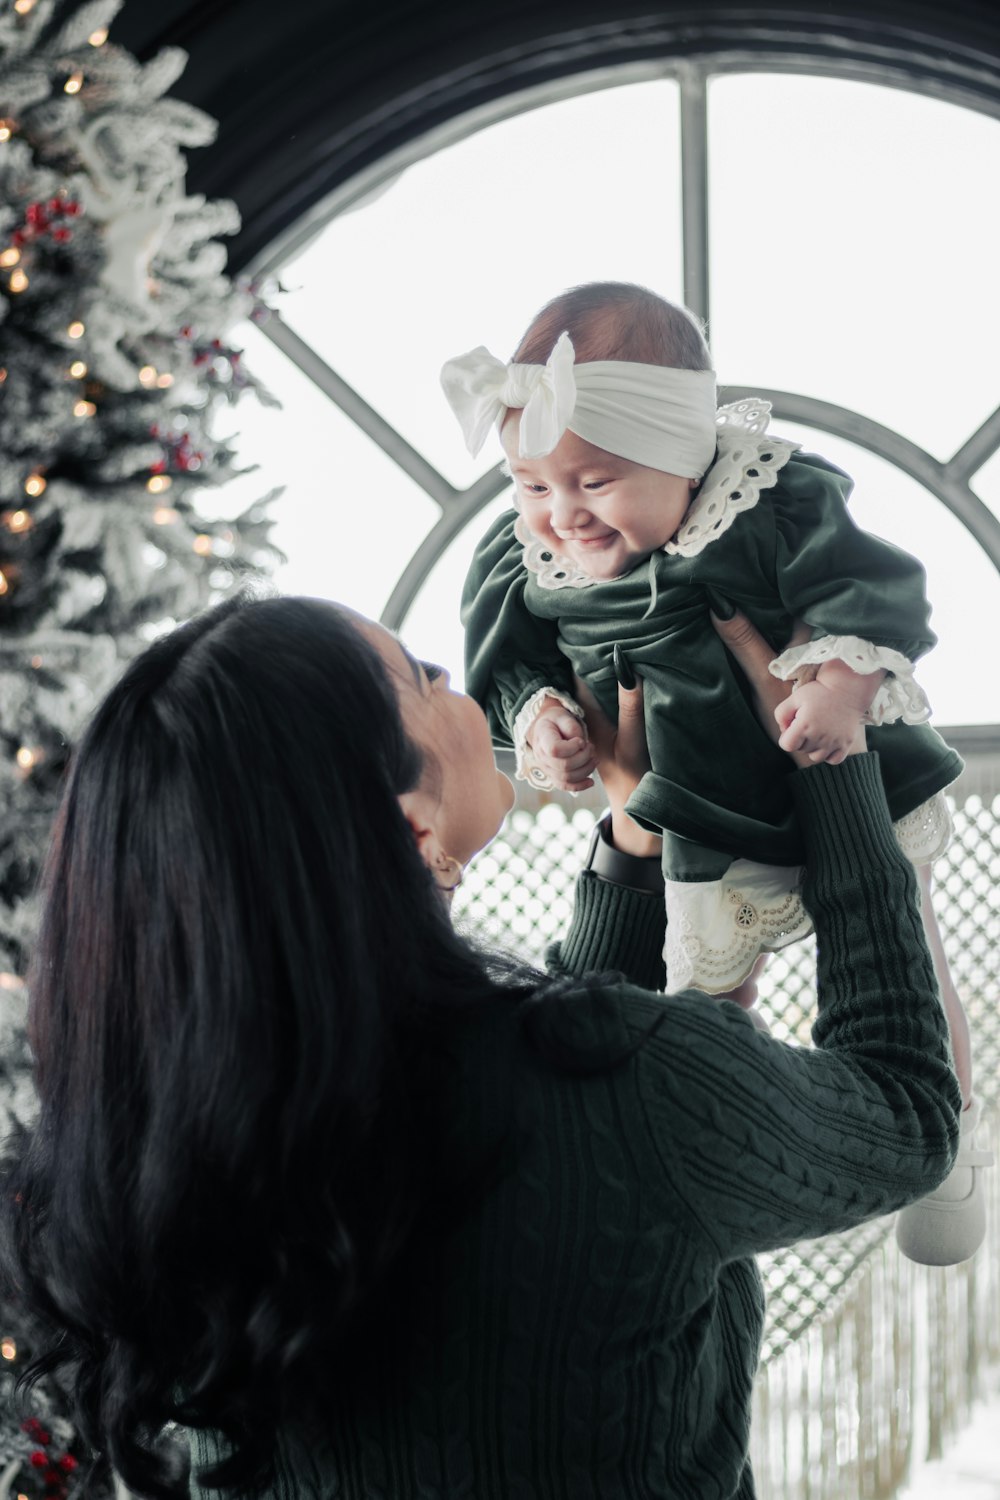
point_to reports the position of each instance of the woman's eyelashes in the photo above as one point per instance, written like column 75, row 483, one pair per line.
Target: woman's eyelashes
column 432, row 670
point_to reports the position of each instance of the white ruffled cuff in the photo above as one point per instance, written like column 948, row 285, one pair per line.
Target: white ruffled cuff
column 526, row 767
column 898, row 697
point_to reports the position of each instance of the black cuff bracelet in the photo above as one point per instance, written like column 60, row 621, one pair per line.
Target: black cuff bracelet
column 609, row 863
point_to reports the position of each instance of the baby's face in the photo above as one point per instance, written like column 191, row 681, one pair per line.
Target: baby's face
column 603, row 512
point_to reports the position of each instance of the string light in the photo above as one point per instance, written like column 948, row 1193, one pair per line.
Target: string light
column 4, row 585
column 164, row 515
column 165, row 380
column 11, row 982
column 36, row 662
column 73, row 84
column 3, row 374
column 78, row 369
column 8, row 1349
column 6, row 129
column 84, row 409
column 10, row 256
column 27, row 758
column 17, row 520
column 157, row 483
column 76, row 329
column 18, row 281
column 147, row 375
column 99, row 37
column 24, row 7
column 35, row 485
column 202, row 544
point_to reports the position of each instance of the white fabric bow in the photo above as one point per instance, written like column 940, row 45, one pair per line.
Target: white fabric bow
column 481, row 388
column 652, row 414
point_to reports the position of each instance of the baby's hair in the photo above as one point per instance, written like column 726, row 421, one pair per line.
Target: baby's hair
column 617, row 320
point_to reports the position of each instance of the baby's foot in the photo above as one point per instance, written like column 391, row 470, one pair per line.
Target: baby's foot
column 949, row 1225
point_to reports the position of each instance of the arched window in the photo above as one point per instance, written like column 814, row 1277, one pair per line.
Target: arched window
column 831, row 230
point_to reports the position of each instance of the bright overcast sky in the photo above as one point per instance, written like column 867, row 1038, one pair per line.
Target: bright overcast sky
column 854, row 236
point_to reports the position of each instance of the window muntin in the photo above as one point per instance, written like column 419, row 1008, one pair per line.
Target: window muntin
column 465, row 245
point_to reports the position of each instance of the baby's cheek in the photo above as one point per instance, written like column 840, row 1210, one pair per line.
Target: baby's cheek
column 538, row 520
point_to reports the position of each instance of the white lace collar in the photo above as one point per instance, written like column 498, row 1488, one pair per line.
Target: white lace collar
column 747, row 461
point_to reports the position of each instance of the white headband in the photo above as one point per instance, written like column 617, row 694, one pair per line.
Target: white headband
column 663, row 418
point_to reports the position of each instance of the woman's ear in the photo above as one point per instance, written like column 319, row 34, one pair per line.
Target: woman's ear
column 418, row 811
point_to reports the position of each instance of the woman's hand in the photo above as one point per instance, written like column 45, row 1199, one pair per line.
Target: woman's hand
column 622, row 761
column 753, row 654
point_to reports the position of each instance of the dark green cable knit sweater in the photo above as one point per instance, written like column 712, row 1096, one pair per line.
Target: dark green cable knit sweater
column 592, row 1331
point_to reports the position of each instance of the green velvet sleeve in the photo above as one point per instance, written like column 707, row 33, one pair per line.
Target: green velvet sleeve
column 510, row 654
column 839, row 579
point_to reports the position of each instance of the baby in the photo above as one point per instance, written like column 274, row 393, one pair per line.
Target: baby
column 638, row 505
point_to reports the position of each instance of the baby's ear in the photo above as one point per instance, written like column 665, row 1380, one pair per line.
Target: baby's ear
column 505, row 468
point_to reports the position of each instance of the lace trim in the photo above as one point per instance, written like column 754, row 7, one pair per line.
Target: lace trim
column 526, row 768
column 550, row 569
column 747, row 462
column 899, row 696
column 717, row 929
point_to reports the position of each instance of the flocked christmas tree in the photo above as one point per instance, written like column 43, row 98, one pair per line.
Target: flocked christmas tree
column 114, row 363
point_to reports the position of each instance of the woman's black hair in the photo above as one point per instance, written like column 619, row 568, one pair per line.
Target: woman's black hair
column 240, row 943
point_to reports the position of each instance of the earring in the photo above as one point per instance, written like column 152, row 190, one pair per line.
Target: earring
column 447, row 873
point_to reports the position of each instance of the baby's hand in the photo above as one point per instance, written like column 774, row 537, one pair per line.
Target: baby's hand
column 823, row 719
column 561, row 747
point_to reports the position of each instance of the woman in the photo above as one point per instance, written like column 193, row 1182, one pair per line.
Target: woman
column 366, row 1211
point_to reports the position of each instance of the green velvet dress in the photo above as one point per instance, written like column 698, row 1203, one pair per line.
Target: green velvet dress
column 784, row 548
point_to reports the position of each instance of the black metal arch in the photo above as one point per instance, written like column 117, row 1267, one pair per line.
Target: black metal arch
column 311, row 93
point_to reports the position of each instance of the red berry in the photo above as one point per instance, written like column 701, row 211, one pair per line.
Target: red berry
column 62, row 235
column 18, row 237
column 67, row 1463
column 158, row 466
column 39, row 1460
column 71, row 206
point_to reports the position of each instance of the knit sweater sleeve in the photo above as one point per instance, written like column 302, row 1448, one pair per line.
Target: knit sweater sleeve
column 612, row 927
column 760, row 1143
